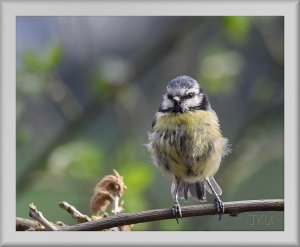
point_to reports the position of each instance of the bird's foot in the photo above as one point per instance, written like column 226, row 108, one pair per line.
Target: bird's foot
column 176, row 209
column 220, row 207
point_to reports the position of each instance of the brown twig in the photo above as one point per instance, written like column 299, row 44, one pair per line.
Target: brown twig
column 231, row 208
column 38, row 216
column 79, row 217
column 25, row 224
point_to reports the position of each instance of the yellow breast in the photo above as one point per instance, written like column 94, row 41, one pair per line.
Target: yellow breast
column 188, row 143
column 205, row 121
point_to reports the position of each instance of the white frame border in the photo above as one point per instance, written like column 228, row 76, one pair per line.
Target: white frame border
column 12, row 8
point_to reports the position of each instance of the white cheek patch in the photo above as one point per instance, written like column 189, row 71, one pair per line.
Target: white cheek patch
column 189, row 103
column 166, row 103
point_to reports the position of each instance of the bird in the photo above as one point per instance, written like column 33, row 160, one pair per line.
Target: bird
column 186, row 143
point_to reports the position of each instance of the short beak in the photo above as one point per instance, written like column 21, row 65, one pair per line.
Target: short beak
column 176, row 98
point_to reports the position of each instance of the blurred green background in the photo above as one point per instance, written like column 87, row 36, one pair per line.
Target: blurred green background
column 87, row 91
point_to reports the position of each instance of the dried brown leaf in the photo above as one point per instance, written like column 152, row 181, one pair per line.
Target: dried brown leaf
column 105, row 191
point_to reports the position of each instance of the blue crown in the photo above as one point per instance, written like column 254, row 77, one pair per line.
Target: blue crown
column 182, row 81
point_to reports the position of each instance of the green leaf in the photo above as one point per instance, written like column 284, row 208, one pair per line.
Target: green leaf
column 32, row 61
column 42, row 62
column 237, row 27
column 52, row 56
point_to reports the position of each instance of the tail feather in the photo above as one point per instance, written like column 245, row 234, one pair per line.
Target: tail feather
column 196, row 190
column 186, row 190
column 183, row 190
column 215, row 186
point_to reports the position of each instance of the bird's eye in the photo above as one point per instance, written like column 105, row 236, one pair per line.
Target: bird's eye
column 169, row 96
column 191, row 95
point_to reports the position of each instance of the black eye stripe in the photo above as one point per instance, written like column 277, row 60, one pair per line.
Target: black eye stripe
column 184, row 97
column 188, row 96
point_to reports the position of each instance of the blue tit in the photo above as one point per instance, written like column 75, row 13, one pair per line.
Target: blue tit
column 186, row 143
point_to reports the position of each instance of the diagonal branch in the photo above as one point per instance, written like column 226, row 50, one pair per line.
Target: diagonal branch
column 38, row 216
column 231, row 208
column 74, row 212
